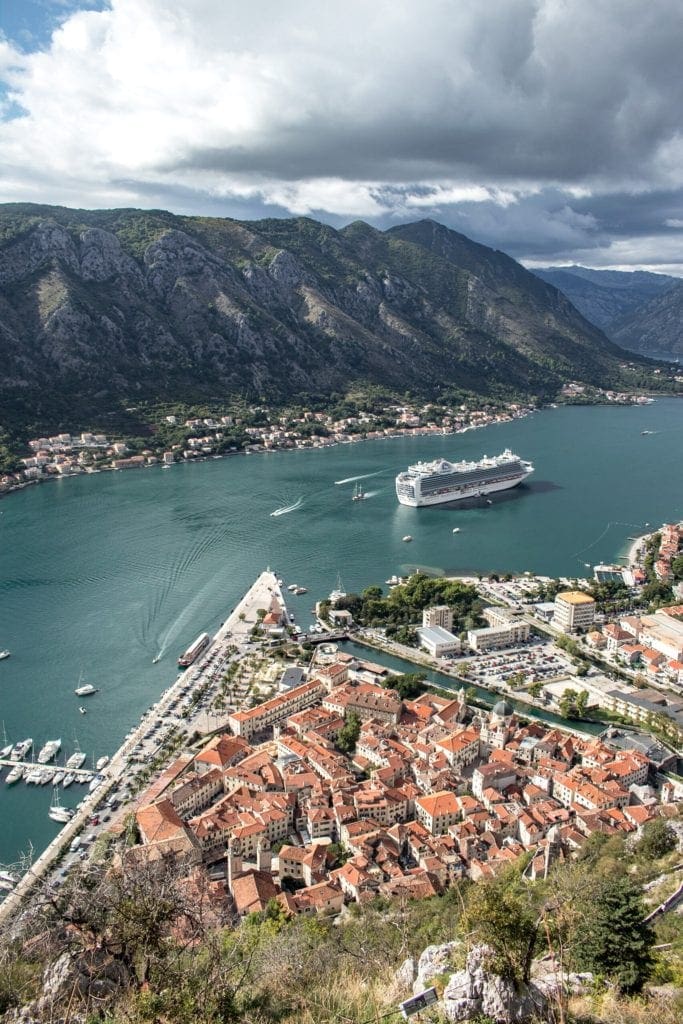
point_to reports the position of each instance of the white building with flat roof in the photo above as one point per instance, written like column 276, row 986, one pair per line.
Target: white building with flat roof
column 491, row 637
column 437, row 641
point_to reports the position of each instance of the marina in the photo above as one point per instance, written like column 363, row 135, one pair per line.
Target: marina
column 182, row 547
column 235, row 628
column 29, row 769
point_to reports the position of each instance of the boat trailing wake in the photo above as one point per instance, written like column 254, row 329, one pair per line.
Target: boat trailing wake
column 288, row 508
column 352, row 479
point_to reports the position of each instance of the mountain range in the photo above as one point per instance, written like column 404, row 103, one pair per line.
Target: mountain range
column 101, row 308
column 638, row 310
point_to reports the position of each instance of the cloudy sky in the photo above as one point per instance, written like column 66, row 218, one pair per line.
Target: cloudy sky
column 551, row 129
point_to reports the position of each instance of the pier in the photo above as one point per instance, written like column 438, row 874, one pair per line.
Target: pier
column 80, row 774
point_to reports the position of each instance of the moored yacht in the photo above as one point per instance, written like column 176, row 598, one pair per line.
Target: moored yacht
column 50, row 750
column 76, row 760
column 15, row 775
column 20, row 750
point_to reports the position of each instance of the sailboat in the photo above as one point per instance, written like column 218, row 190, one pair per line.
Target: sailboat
column 7, row 748
column 57, row 811
column 358, row 493
column 84, row 689
column 337, row 594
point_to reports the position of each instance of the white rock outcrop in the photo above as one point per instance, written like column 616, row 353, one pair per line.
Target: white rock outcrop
column 477, row 990
column 433, row 960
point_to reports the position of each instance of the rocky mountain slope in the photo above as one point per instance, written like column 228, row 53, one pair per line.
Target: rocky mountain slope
column 656, row 327
column 103, row 307
column 609, row 298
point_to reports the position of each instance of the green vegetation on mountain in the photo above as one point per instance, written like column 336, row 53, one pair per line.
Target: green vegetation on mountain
column 105, row 315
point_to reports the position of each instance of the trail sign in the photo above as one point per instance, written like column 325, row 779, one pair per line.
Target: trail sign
column 417, row 1003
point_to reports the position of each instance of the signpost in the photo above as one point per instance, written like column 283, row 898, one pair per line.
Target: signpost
column 418, row 1003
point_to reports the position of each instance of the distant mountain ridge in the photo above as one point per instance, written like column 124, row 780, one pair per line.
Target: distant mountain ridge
column 614, row 300
column 656, row 327
column 103, row 307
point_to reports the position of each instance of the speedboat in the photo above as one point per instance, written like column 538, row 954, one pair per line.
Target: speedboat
column 5, row 752
column 407, row 538
column 102, row 763
column 4, row 654
column 7, row 880
column 456, row 529
column 82, row 710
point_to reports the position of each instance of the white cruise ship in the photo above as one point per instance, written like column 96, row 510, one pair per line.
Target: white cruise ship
column 438, row 482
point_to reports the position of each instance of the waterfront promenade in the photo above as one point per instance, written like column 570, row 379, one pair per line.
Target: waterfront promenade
column 235, row 630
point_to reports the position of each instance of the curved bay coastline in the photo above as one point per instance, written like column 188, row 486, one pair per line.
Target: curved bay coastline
column 101, row 574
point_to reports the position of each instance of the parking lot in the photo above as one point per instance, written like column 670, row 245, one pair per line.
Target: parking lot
column 537, row 662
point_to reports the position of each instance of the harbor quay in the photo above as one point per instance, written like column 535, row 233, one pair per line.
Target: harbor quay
column 233, row 631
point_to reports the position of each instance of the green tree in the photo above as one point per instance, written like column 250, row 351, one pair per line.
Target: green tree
column 657, row 592
column 349, row 733
column 613, row 939
column 567, row 703
column 658, row 839
column 501, row 914
column 581, row 702
column 408, row 686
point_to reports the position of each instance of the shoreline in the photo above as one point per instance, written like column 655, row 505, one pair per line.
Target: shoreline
column 509, row 417
column 157, row 464
column 232, row 627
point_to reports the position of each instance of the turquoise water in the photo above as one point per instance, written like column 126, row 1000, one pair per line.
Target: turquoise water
column 100, row 574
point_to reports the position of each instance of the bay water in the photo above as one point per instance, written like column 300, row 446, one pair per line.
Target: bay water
column 102, row 574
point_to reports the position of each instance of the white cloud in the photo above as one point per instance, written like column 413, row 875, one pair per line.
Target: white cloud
column 351, row 109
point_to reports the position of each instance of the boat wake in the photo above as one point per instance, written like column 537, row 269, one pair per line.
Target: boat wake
column 352, row 479
column 288, row 508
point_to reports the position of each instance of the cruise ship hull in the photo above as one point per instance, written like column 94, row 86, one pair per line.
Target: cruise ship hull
column 461, row 493
column 444, row 483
